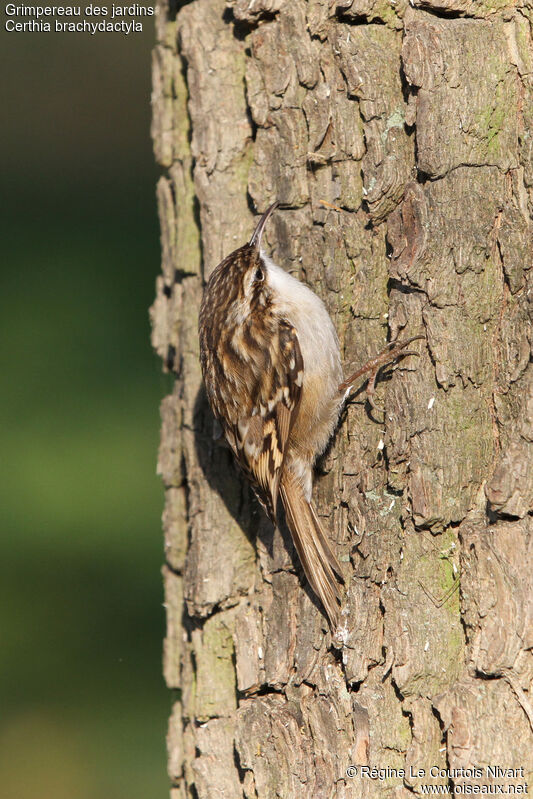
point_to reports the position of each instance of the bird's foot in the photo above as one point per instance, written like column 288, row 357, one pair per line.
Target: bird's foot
column 391, row 353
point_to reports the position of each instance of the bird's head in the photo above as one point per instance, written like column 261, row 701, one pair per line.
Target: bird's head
column 239, row 285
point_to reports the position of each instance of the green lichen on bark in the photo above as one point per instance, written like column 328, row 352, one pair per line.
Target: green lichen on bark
column 215, row 673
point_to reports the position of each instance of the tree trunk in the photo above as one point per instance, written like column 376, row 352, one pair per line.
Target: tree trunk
column 400, row 135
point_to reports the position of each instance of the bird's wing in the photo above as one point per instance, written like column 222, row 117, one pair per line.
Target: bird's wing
column 260, row 437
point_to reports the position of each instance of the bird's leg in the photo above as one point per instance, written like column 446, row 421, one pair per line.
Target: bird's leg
column 370, row 390
column 394, row 350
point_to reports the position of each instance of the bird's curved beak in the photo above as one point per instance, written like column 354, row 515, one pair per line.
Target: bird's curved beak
column 255, row 241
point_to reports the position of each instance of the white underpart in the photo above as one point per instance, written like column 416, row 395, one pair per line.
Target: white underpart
column 347, row 394
column 319, row 346
column 316, row 334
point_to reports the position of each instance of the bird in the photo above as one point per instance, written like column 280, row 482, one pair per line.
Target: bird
column 272, row 370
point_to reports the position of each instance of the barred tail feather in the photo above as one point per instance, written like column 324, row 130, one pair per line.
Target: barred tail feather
column 319, row 563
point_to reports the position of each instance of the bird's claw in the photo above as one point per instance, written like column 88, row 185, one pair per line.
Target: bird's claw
column 391, row 352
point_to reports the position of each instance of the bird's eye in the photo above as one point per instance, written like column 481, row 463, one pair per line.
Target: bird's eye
column 259, row 274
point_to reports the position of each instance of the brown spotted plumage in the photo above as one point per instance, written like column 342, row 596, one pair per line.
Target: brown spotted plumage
column 272, row 370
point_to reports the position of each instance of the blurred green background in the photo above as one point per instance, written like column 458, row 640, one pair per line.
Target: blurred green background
column 83, row 707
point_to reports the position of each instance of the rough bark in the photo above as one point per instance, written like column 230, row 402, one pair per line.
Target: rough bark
column 416, row 121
